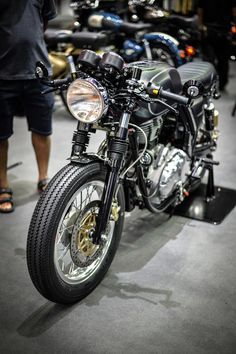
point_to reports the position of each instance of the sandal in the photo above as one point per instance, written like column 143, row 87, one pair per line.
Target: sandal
column 42, row 185
column 6, row 200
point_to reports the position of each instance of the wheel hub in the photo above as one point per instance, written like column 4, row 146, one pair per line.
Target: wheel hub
column 84, row 237
column 83, row 250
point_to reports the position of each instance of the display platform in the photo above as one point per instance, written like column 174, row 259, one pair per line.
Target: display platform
column 212, row 209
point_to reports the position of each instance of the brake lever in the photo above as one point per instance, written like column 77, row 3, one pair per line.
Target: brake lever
column 56, row 85
column 53, row 89
column 46, row 82
column 49, row 90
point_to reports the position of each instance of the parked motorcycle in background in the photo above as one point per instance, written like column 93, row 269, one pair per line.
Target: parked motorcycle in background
column 183, row 29
column 64, row 47
column 133, row 41
column 102, row 31
column 161, row 130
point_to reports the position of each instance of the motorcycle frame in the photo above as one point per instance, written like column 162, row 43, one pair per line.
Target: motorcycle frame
column 117, row 148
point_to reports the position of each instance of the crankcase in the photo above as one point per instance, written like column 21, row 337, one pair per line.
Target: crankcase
column 169, row 170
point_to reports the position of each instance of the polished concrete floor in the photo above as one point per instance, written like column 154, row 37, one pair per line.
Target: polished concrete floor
column 170, row 289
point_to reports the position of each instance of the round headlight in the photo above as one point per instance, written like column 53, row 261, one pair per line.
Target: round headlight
column 86, row 100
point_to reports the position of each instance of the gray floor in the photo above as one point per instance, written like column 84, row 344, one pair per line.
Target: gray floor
column 171, row 288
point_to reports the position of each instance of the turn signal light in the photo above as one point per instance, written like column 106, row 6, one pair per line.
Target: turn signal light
column 233, row 29
column 182, row 54
column 186, row 193
column 191, row 51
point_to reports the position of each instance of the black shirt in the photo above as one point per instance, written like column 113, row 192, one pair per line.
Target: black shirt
column 217, row 12
column 22, row 37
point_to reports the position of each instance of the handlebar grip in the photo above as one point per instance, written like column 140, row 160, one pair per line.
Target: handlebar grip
column 174, row 97
column 158, row 91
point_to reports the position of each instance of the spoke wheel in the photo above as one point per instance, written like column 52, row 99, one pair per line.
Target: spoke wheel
column 76, row 257
column 63, row 261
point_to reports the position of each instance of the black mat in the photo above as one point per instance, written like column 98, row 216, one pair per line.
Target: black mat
column 213, row 211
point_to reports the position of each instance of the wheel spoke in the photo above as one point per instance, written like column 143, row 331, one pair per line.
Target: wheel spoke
column 64, row 253
column 76, row 226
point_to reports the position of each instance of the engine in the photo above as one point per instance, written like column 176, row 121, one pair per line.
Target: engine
column 165, row 169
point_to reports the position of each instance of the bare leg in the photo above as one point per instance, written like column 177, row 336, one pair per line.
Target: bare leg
column 3, row 173
column 42, row 147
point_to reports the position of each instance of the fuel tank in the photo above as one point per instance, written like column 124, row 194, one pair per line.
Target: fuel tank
column 158, row 73
column 59, row 64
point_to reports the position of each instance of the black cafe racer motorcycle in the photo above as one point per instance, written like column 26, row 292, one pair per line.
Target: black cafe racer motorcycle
column 160, row 132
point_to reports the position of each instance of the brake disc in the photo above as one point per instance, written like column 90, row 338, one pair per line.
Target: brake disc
column 83, row 251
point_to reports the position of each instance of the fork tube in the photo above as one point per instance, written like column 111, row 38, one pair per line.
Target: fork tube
column 116, row 152
column 71, row 63
column 147, row 49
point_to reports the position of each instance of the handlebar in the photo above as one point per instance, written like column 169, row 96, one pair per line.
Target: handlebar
column 153, row 90
column 55, row 84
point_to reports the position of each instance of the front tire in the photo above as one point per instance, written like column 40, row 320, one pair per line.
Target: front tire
column 63, row 263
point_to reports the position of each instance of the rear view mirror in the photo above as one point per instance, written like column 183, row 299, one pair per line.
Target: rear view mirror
column 41, row 72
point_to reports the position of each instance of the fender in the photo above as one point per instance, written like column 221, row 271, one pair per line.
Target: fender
column 87, row 158
column 166, row 39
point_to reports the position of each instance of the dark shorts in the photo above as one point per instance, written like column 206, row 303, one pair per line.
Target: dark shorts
column 24, row 96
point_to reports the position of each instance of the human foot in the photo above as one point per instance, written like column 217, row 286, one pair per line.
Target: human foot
column 6, row 201
column 42, row 184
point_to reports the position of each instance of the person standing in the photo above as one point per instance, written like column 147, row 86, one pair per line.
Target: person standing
column 22, row 26
column 215, row 18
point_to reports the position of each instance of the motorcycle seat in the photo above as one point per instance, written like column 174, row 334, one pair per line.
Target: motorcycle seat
column 199, row 71
column 91, row 40
column 183, row 21
column 55, row 36
column 130, row 28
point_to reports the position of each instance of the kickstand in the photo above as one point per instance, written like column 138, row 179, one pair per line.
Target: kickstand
column 171, row 212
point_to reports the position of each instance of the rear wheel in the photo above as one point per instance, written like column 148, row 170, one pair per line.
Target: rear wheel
column 63, row 262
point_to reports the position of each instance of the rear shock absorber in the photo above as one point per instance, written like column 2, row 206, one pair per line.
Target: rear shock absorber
column 209, row 115
column 211, row 119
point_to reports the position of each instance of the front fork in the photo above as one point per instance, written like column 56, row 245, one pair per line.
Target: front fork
column 147, row 49
column 116, row 152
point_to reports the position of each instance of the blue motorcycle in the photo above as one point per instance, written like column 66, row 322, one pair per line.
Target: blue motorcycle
column 133, row 41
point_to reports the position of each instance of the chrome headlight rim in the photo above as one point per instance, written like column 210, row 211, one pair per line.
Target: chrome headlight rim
column 97, row 90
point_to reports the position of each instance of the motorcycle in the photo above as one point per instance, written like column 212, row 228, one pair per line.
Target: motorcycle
column 161, row 130
column 183, row 29
column 133, row 41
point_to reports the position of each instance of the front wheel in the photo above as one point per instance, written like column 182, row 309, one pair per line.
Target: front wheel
column 63, row 262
